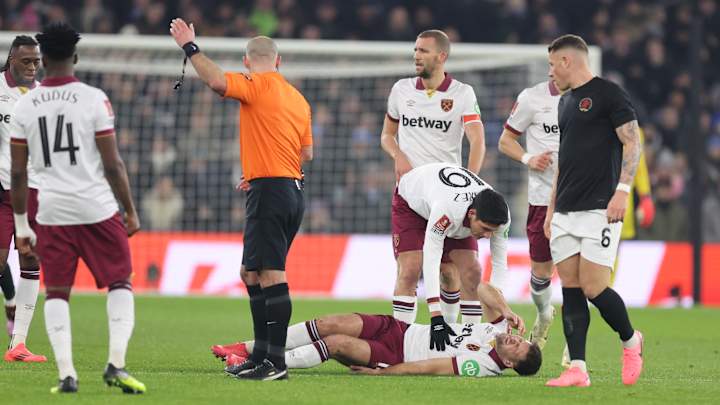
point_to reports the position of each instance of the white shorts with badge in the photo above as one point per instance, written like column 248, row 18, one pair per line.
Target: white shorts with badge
column 587, row 233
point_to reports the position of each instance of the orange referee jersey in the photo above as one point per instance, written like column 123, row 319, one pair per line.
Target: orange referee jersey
column 274, row 124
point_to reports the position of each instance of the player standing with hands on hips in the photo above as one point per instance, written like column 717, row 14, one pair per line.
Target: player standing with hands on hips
column 599, row 154
column 275, row 140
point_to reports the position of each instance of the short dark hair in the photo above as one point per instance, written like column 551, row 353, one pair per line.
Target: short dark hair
column 568, row 41
column 20, row 40
column 441, row 39
column 57, row 41
column 532, row 362
column 490, row 207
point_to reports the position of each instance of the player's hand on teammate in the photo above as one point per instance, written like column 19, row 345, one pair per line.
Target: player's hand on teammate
column 440, row 333
column 515, row 322
column 616, row 207
column 541, row 162
column 402, row 165
column 132, row 223
column 182, row 32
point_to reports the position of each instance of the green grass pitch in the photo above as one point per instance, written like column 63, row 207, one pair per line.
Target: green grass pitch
column 170, row 353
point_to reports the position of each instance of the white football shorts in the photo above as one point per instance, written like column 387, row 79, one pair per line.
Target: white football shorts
column 587, row 233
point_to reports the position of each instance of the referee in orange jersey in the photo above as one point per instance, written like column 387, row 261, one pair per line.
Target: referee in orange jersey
column 275, row 140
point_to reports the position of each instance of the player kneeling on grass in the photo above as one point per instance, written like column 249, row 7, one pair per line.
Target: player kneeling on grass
column 381, row 344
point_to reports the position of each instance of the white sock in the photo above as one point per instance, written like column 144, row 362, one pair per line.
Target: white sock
column 579, row 364
column 471, row 311
column 450, row 305
column 405, row 308
column 542, row 301
column 121, row 320
column 10, row 302
column 307, row 356
column 301, row 334
column 632, row 342
column 57, row 323
column 249, row 346
column 26, row 297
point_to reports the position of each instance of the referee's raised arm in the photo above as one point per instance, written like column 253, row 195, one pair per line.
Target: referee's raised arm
column 275, row 140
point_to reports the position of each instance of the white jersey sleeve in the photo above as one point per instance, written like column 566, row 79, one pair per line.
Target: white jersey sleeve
column 522, row 114
column 475, row 365
column 438, row 225
column 498, row 253
column 104, row 117
column 392, row 106
column 471, row 108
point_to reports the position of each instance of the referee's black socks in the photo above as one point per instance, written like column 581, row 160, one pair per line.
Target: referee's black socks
column 613, row 310
column 279, row 309
column 576, row 320
column 259, row 316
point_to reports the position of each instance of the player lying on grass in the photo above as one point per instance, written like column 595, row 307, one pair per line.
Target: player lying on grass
column 381, row 344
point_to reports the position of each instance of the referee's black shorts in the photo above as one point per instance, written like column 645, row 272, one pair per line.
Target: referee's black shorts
column 274, row 212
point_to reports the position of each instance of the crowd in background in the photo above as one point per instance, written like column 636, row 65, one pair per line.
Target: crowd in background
column 644, row 48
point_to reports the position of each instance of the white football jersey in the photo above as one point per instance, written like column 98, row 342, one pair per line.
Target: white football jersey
column 535, row 113
column 431, row 123
column 10, row 93
column 472, row 350
column 59, row 120
column 442, row 194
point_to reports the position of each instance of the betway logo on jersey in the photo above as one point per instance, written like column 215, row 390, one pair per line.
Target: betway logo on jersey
column 551, row 129
column 423, row 122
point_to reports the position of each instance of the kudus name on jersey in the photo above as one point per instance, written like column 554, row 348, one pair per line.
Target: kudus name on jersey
column 54, row 95
column 423, row 122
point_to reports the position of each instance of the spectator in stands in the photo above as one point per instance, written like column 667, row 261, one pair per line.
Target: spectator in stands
column 162, row 207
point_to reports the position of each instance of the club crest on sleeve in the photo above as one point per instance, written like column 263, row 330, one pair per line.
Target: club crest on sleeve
column 585, row 104
column 446, row 104
column 441, row 225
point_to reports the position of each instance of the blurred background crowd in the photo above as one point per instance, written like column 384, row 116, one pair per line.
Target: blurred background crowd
column 183, row 181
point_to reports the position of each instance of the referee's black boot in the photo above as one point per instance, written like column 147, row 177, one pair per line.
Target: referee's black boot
column 266, row 371
column 237, row 369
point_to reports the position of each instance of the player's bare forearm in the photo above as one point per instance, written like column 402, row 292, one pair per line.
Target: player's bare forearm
column 510, row 146
column 115, row 173
column 388, row 137
column 475, row 134
column 493, row 302
column 210, row 73
column 629, row 135
column 423, row 367
column 18, row 178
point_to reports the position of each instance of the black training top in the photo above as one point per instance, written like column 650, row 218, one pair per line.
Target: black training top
column 590, row 151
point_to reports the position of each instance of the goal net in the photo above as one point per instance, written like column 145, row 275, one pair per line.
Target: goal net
column 181, row 147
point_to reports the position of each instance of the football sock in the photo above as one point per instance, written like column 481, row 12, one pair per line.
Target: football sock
column 307, row 356
column 541, row 294
column 7, row 286
column 579, row 364
column 26, row 298
column 279, row 310
column 576, row 320
column 450, row 305
column 405, row 308
column 259, row 317
column 57, row 323
column 121, row 321
column 471, row 311
column 612, row 308
column 302, row 334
